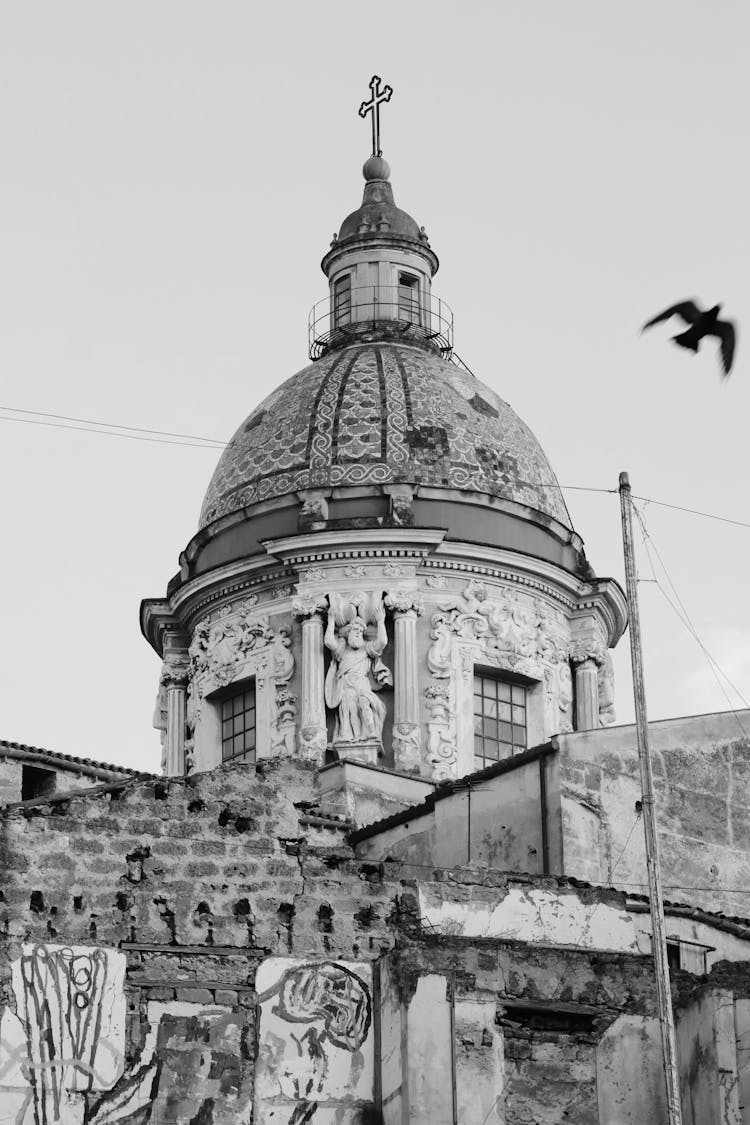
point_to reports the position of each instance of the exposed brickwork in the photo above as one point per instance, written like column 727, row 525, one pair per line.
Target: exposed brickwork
column 198, row 881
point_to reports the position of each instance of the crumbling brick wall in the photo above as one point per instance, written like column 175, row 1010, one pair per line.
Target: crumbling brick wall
column 202, row 885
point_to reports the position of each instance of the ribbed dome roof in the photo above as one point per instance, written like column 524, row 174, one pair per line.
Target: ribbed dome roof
column 378, row 213
column 379, row 413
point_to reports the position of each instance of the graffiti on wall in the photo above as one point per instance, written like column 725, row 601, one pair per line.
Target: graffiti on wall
column 315, row 1057
column 62, row 1050
column 66, row 1037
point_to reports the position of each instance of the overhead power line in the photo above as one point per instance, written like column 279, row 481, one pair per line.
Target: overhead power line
column 109, row 425
column 135, row 433
column 196, row 441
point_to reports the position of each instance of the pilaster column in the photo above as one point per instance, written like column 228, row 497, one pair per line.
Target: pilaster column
column 407, row 730
column 587, row 658
column 313, row 736
column 174, row 678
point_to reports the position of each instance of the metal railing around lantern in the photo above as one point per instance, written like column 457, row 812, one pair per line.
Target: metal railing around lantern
column 375, row 311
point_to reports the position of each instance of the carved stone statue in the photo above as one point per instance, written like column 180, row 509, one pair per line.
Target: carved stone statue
column 355, row 674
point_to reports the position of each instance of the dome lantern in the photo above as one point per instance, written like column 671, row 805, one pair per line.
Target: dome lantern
column 379, row 268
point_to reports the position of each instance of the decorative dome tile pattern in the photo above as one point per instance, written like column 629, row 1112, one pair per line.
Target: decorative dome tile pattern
column 377, row 414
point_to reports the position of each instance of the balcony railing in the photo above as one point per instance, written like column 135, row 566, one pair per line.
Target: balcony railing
column 379, row 311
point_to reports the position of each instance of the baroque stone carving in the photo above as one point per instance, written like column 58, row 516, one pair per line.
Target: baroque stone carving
column 404, row 601
column 309, row 606
column 407, row 746
column 437, row 581
column 159, row 721
column 217, row 650
column 393, row 570
column 564, row 695
column 314, row 512
column 312, row 743
column 441, row 750
column 439, row 653
column 356, row 672
column 282, row 592
column 506, row 627
column 592, row 648
column 606, row 685
column 314, row 574
column 402, row 511
column 283, row 726
column 352, row 571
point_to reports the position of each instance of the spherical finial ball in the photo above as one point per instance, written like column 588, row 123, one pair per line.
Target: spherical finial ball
column 376, row 169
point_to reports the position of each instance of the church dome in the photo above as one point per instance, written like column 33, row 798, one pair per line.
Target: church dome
column 379, row 413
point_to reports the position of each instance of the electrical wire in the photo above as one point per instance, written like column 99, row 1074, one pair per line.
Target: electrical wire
column 111, row 433
column 685, row 619
column 692, row 511
column 109, row 425
column 558, row 988
column 199, row 442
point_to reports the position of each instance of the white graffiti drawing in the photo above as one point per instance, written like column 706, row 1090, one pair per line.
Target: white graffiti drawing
column 316, row 1042
column 67, row 1036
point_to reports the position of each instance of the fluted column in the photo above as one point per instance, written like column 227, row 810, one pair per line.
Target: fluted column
column 407, row 730
column 313, row 736
column 586, row 658
column 174, row 679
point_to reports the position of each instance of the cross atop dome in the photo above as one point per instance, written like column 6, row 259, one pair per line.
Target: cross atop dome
column 373, row 107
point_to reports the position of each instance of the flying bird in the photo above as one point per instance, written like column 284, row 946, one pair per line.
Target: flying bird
column 702, row 323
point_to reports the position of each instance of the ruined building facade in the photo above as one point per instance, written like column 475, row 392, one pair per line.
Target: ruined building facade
column 393, row 870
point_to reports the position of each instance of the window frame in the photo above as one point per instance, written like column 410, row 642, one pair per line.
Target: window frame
column 409, row 297
column 238, row 690
column 341, row 303
column 506, row 747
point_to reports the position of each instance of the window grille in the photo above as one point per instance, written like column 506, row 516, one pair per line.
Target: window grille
column 238, row 725
column 499, row 719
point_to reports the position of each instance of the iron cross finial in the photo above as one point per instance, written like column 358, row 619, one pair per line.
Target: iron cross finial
column 373, row 107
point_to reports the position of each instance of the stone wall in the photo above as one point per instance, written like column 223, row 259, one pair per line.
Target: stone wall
column 701, row 772
column 209, row 950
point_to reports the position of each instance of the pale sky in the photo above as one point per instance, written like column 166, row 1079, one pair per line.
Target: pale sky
column 172, row 175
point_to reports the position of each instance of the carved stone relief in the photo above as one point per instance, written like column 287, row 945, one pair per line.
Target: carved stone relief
column 441, row 751
column 241, row 640
column 516, row 633
column 404, row 600
column 606, row 685
column 356, row 673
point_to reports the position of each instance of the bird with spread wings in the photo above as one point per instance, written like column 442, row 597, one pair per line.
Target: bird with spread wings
column 702, row 323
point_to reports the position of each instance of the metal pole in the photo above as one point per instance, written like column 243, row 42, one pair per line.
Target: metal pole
column 659, row 938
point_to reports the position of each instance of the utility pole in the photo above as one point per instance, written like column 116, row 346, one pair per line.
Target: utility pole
column 659, row 935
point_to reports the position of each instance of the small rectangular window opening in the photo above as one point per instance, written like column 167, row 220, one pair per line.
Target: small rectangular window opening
column 499, row 719
column 238, row 725
column 36, row 782
column 409, row 307
column 342, row 301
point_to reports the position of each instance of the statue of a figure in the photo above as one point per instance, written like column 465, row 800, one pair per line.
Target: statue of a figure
column 355, row 674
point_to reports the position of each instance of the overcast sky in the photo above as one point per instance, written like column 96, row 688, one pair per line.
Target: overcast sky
column 172, row 173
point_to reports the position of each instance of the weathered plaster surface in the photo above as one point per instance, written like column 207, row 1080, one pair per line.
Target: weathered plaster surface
column 701, row 776
column 531, row 914
column 707, row 1055
column 629, row 1072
